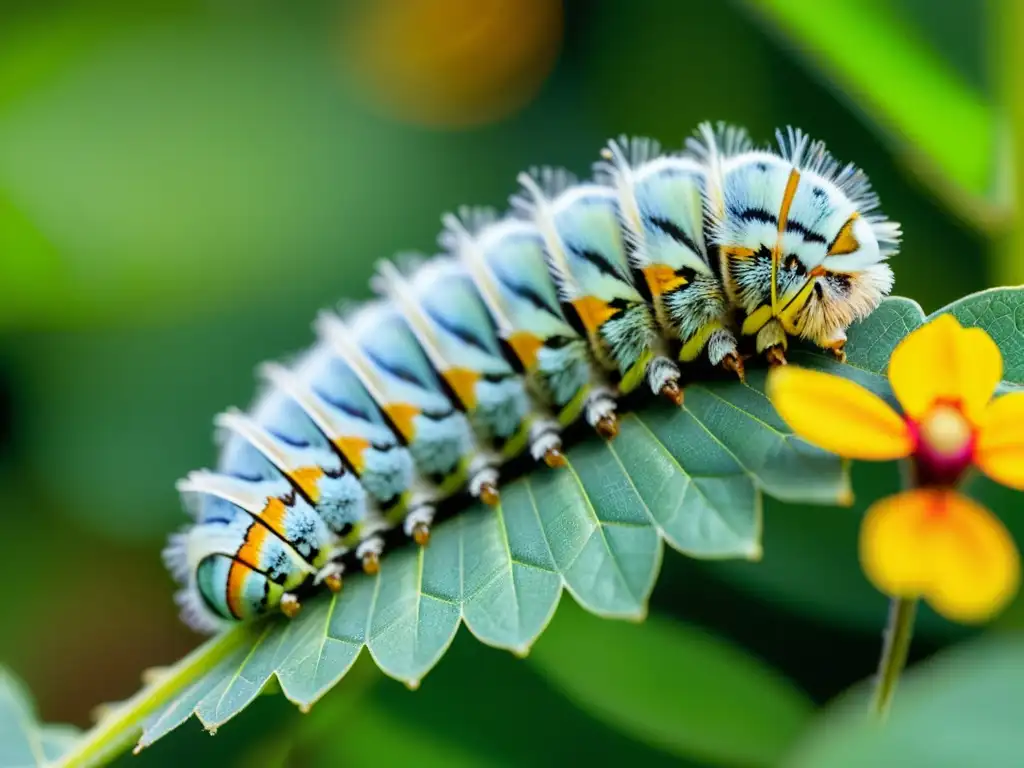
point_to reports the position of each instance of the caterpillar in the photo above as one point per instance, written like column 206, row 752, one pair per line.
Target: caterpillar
column 523, row 324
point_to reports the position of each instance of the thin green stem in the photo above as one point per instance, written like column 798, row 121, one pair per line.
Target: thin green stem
column 895, row 646
column 1008, row 72
column 123, row 725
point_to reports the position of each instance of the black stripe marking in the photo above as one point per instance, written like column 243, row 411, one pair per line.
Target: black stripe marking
column 757, row 214
column 808, row 235
column 397, row 370
column 602, row 265
column 531, row 296
column 461, row 334
column 674, row 231
column 839, row 234
column 346, row 465
column 346, row 408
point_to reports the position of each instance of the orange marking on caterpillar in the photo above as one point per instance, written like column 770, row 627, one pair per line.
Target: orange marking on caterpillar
column 354, row 450
column 738, row 252
column 787, row 201
column 402, row 416
column 593, row 312
column 662, row 279
column 273, row 515
column 255, row 541
column 526, row 346
column 307, row 479
column 237, row 574
column 463, row 383
column 845, row 242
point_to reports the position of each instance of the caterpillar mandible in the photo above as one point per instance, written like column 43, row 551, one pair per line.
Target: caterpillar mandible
column 526, row 322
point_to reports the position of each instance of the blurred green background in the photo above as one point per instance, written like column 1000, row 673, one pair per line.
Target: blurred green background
column 184, row 184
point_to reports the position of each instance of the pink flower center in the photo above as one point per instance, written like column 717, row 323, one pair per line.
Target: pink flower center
column 945, row 445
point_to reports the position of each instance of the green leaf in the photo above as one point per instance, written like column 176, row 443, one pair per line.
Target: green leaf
column 23, row 742
column 691, row 477
column 898, row 81
column 960, row 708
column 1000, row 312
column 673, row 686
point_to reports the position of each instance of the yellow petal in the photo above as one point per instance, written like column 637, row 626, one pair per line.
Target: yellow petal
column 942, row 361
column 943, row 547
column 838, row 415
column 1000, row 449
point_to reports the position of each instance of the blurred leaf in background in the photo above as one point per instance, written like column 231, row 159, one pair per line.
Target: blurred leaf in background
column 961, row 708
column 899, row 65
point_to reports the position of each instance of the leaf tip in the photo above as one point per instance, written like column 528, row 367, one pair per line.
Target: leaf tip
column 412, row 685
column 755, row 552
column 521, row 651
column 639, row 617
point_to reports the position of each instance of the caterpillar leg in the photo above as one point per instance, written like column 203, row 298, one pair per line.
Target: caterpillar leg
column 483, row 480
column 330, row 575
column 663, row 379
column 771, row 340
column 371, row 542
column 290, row 605
column 417, row 524
column 836, row 344
column 722, row 350
column 600, row 412
column 546, row 442
column 368, row 552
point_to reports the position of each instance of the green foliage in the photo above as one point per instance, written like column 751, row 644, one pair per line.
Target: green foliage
column 23, row 742
column 961, row 708
column 882, row 62
column 684, row 698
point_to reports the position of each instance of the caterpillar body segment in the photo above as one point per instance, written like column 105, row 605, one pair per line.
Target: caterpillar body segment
column 254, row 542
column 662, row 215
column 802, row 247
column 450, row 321
column 218, row 588
column 328, row 399
column 587, row 258
column 376, row 341
column 506, row 262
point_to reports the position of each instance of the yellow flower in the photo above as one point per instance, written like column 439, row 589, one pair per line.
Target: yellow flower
column 931, row 542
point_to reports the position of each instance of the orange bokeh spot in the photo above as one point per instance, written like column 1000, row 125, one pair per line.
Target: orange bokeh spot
column 451, row 63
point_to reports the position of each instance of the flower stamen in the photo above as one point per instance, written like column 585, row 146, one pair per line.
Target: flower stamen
column 946, row 432
column 945, row 445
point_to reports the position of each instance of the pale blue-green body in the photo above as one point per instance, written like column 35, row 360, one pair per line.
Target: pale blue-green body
column 440, row 437
column 508, row 266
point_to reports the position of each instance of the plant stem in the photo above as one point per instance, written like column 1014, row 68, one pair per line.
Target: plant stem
column 895, row 646
column 1008, row 72
column 116, row 731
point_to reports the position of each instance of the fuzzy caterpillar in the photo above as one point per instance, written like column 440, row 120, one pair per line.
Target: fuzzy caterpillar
column 526, row 323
